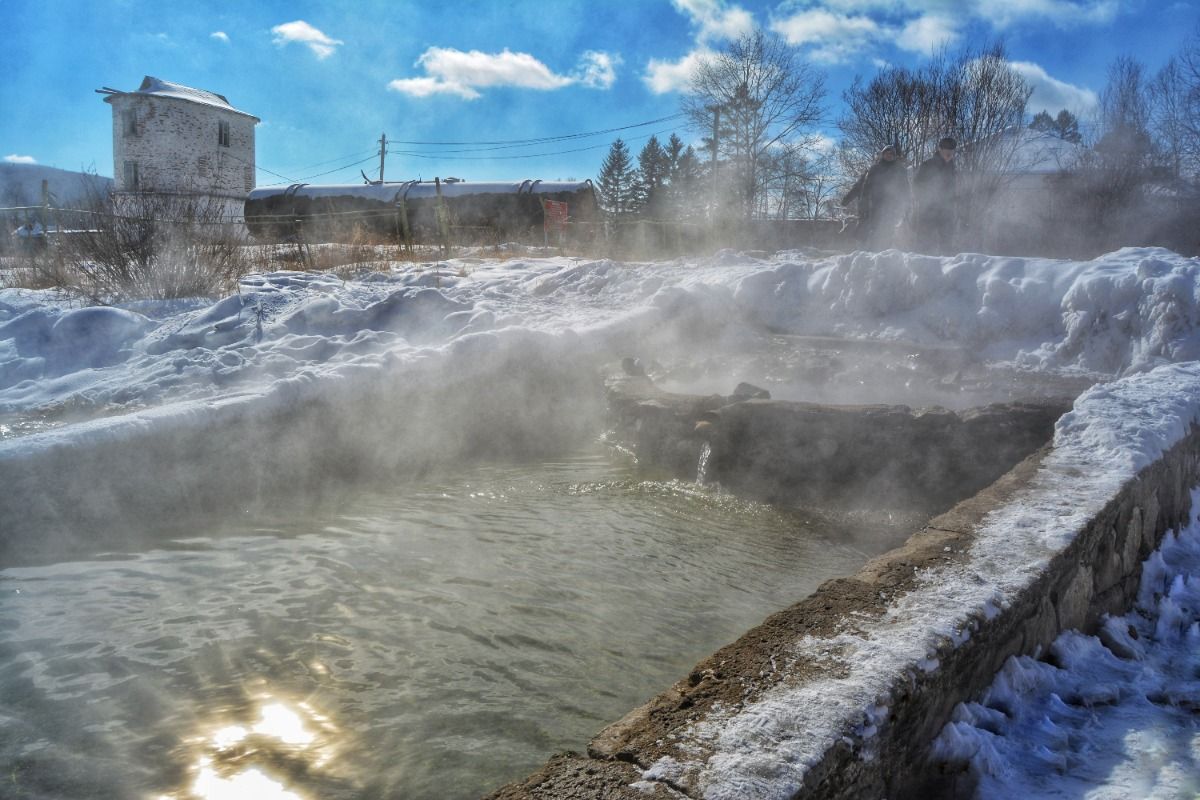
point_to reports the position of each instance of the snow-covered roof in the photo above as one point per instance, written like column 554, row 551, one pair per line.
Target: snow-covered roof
column 1034, row 152
column 161, row 88
column 1040, row 152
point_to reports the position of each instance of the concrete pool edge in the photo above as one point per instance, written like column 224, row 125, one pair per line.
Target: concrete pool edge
column 846, row 707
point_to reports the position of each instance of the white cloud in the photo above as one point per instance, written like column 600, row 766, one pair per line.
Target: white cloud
column 220, row 36
column 597, row 69
column 1000, row 13
column 303, row 33
column 426, row 87
column 824, row 145
column 1052, row 95
column 1064, row 13
column 837, row 30
column 926, row 34
column 833, row 37
column 716, row 20
column 673, row 76
column 16, row 159
column 450, row 71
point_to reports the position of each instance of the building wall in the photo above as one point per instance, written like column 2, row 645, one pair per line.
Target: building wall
column 175, row 145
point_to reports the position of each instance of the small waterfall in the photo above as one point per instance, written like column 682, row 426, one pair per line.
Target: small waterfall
column 702, row 465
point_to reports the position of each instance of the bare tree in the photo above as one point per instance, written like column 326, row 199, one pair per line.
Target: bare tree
column 1169, row 117
column 1175, row 109
column 1106, row 189
column 986, row 108
column 765, row 97
column 899, row 107
column 975, row 96
column 1125, row 113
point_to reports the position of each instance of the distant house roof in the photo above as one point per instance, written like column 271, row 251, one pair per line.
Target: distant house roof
column 1034, row 152
column 161, row 88
column 1040, row 152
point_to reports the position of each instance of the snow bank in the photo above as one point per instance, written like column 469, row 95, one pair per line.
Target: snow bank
column 1124, row 312
column 1112, row 715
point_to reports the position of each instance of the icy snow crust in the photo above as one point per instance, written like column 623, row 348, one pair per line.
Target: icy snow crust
column 765, row 749
column 1124, row 312
column 1115, row 716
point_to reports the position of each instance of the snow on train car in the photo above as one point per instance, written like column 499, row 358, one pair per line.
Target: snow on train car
column 408, row 210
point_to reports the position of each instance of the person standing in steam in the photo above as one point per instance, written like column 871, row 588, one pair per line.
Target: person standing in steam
column 882, row 194
column 935, row 204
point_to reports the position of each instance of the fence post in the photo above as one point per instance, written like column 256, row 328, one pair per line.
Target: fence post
column 404, row 223
column 443, row 218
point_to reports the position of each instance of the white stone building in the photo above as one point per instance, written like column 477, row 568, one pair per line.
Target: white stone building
column 173, row 139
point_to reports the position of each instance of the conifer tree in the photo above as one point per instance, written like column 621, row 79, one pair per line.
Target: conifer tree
column 617, row 181
column 1065, row 126
column 653, row 172
column 684, row 198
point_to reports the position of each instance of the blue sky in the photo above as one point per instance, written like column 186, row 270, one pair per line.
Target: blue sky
column 327, row 78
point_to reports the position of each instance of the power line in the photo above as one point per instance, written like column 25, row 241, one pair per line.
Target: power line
column 443, row 154
column 543, row 139
column 261, row 169
column 339, row 169
column 373, row 153
column 477, row 147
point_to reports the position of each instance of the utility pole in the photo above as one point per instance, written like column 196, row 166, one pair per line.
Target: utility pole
column 716, row 112
column 382, row 153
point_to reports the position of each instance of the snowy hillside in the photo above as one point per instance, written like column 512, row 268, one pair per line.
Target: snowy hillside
column 21, row 185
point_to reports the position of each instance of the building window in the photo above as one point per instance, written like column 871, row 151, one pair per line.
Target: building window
column 129, row 122
column 223, row 134
column 131, row 176
column 248, row 177
column 202, row 166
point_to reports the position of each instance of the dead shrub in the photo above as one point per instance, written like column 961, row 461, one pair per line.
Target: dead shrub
column 150, row 246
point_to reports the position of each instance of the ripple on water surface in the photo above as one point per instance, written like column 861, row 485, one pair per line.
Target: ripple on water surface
column 432, row 642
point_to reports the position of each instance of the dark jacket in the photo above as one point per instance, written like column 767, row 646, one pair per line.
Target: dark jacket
column 934, row 187
column 881, row 191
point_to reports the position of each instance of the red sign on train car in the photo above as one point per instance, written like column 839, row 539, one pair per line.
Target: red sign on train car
column 555, row 216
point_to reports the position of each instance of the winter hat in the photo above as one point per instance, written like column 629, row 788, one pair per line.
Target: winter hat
column 947, row 143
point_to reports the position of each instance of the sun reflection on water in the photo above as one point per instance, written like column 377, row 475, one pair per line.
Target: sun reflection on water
column 257, row 760
column 250, row 784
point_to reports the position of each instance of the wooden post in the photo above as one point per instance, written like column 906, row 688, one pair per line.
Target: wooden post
column 405, row 230
column 443, row 217
column 382, row 153
column 545, row 232
column 715, row 139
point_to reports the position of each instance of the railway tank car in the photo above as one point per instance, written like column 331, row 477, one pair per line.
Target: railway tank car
column 409, row 210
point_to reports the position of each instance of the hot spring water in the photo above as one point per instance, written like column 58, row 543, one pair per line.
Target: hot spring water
column 435, row 641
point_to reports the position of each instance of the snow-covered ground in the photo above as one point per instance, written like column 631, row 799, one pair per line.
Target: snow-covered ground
column 1114, row 716
column 1122, row 314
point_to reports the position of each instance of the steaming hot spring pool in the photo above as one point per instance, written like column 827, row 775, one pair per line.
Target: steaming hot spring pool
column 435, row 640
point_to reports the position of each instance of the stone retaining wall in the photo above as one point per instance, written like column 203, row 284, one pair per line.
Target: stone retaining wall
column 792, row 453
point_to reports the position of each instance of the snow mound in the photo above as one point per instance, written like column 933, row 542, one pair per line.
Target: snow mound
column 1114, row 715
column 1125, row 312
